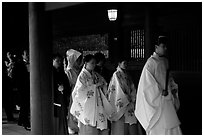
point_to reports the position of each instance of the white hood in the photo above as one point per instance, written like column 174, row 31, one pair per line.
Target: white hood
column 72, row 56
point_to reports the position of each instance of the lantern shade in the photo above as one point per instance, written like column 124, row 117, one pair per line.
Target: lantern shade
column 112, row 14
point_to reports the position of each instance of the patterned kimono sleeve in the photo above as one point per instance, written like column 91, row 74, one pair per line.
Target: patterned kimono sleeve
column 111, row 89
column 117, row 98
column 85, row 89
column 83, row 106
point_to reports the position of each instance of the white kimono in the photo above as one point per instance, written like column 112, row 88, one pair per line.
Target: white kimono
column 122, row 94
column 72, row 74
column 90, row 105
column 155, row 112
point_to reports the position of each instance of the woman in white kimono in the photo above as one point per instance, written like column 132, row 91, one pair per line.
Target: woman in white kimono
column 72, row 69
column 90, row 105
column 155, row 107
column 122, row 95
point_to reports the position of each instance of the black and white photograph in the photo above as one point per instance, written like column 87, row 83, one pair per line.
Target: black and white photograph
column 101, row 68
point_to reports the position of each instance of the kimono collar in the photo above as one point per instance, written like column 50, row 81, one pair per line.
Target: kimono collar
column 86, row 71
column 119, row 69
column 161, row 58
column 157, row 56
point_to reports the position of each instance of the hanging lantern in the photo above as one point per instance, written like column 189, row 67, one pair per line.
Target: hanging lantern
column 112, row 14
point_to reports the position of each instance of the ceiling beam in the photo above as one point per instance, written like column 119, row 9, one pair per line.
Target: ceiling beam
column 57, row 5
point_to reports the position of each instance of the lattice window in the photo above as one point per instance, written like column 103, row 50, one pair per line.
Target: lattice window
column 137, row 44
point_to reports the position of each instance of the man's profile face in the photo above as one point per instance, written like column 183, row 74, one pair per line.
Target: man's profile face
column 161, row 49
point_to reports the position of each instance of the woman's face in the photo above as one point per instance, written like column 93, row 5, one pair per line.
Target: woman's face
column 91, row 64
column 123, row 64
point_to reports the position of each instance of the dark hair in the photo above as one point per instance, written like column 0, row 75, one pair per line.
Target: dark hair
column 121, row 59
column 99, row 57
column 162, row 39
column 89, row 57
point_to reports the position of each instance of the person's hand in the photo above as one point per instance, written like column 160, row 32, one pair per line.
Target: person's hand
column 164, row 93
column 112, row 116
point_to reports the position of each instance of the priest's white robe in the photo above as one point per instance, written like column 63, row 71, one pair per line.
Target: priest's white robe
column 155, row 112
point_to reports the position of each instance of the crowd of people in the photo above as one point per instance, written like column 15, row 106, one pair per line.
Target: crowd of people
column 89, row 100
column 16, row 88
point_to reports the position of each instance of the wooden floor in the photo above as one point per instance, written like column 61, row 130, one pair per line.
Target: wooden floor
column 12, row 128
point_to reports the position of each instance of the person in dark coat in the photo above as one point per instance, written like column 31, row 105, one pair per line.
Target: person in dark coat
column 7, row 86
column 61, row 97
column 22, row 75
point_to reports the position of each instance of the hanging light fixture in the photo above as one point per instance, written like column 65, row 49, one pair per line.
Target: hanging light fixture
column 112, row 14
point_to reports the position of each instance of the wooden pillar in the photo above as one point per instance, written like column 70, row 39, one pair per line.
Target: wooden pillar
column 40, row 71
